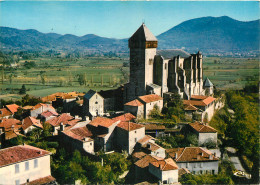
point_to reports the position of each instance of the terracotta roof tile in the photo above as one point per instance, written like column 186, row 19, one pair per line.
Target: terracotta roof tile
column 208, row 100
column 198, row 97
column 29, row 121
column 150, row 98
column 9, row 123
column 135, row 103
column 202, row 127
column 154, row 127
column 63, row 118
column 145, row 161
column 78, row 133
column 28, row 107
column 200, row 102
column 125, row 117
column 139, row 155
column 5, row 112
column 20, row 153
column 151, row 146
column 190, row 107
column 12, row 108
column 44, row 180
column 145, row 139
column 165, row 165
column 42, row 104
column 48, row 113
column 129, row 126
column 101, row 121
column 190, row 154
column 183, row 171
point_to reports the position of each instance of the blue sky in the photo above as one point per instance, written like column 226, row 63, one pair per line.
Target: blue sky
column 117, row 19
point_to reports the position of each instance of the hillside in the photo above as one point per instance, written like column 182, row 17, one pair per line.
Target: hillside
column 207, row 34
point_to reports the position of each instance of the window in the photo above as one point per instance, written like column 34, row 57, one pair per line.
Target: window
column 135, row 131
column 28, row 180
column 26, row 165
column 201, row 172
column 201, row 165
column 213, row 172
column 35, row 163
column 135, row 139
column 96, row 102
column 17, row 168
column 17, row 182
column 90, row 144
column 165, row 66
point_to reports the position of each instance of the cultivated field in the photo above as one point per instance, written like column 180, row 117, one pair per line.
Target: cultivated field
column 50, row 75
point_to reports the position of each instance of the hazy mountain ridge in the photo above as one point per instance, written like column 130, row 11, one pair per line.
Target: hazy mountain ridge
column 207, row 34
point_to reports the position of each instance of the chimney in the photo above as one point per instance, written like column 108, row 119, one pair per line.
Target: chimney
column 176, row 155
column 61, row 127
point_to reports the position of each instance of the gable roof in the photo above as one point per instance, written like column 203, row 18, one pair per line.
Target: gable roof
column 207, row 83
column 139, row 155
column 134, row 103
column 9, row 123
column 170, row 53
column 41, row 105
column 145, row 161
column 90, row 93
column 5, row 112
column 129, row 126
column 154, row 127
column 79, row 133
column 191, row 154
column 150, row 98
column 151, row 146
column 64, row 118
column 48, row 113
column 125, row 117
column 20, row 153
column 143, row 34
column 201, row 102
column 43, row 180
column 190, row 107
column 145, row 139
column 202, row 127
column 29, row 121
column 165, row 165
column 102, row 121
column 12, row 108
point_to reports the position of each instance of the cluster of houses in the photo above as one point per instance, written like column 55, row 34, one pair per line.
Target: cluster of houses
column 120, row 133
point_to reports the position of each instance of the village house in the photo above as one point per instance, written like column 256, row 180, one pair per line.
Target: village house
column 142, row 106
column 47, row 115
column 196, row 159
column 164, row 170
column 205, row 133
column 40, row 108
column 202, row 105
column 30, row 123
column 93, row 104
column 154, row 130
column 24, row 164
column 9, row 110
column 65, row 119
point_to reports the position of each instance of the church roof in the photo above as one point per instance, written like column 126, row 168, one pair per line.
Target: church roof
column 143, row 34
column 207, row 83
column 170, row 53
column 90, row 93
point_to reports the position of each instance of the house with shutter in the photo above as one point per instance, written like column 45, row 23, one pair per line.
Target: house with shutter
column 24, row 164
column 197, row 160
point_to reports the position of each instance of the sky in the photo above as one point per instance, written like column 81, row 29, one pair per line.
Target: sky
column 116, row 19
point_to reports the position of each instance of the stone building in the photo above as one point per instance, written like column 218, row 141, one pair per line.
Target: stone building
column 93, row 104
column 24, row 164
column 40, row 108
column 152, row 72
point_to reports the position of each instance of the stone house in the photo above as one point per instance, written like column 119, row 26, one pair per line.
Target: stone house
column 103, row 133
column 40, row 108
column 77, row 137
column 93, row 104
column 24, row 164
column 204, row 105
column 142, row 106
column 30, row 123
column 196, row 159
column 47, row 115
column 9, row 110
column 204, row 132
column 127, row 135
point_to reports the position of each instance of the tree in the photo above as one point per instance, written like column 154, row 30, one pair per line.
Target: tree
column 22, row 90
column 155, row 112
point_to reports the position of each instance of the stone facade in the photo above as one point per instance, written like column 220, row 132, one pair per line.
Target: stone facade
column 93, row 104
column 152, row 72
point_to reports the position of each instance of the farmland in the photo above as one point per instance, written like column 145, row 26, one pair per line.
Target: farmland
column 51, row 74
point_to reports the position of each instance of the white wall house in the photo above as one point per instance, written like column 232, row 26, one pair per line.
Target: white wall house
column 93, row 104
column 23, row 163
column 40, row 108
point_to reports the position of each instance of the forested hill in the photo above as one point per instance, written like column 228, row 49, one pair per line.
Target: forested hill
column 207, row 34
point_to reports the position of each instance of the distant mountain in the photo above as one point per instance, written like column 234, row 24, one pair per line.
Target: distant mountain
column 212, row 34
column 207, row 34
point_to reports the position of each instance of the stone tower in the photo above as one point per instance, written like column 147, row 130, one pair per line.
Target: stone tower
column 142, row 46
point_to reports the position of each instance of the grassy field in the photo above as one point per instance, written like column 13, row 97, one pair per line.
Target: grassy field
column 52, row 75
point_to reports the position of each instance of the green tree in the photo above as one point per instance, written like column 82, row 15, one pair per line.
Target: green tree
column 22, row 90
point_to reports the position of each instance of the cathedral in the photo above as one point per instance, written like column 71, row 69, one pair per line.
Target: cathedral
column 163, row 72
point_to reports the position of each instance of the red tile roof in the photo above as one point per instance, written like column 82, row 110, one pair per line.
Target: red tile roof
column 29, row 121
column 190, row 107
column 42, row 104
column 198, row 97
column 64, row 118
column 208, row 100
column 20, row 153
column 165, row 165
column 202, row 127
column 44, row 180
column 12, row 108
column 134, row 103
column 139, row 155
column 78, row 133
column 150, row 98
column 145, row 139
column 48, row 113
column 9, row 123
column 183, row 171
column 151, row 146
column 125, row 117
column 190, row 154
column 129, row 126
column 101, row 121
column 5, row 112
column 145, row 161
column 201, row 102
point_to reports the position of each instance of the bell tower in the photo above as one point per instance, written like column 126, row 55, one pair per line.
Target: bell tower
column 142, row 46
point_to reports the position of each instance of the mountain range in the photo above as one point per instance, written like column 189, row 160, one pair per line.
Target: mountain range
column 207, row 34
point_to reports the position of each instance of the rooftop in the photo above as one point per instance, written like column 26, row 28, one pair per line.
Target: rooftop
column 145, row 161
column 12, row 108
column 64, row 118
column 165, row 165
column 143, row 34
column 202, row 127
column 29, row 121
column 129, row 126
column 5, row 112
column 102, row 121
column 20, row 153
column 78, row 133
column 125, row 117
column 44, row 180
column 150, row 98
column 135, row 103
column 154, row 127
